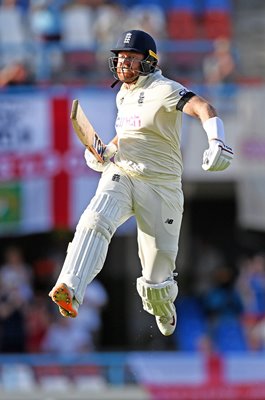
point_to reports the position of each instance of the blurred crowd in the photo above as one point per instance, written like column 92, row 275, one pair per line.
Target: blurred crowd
column 29, row 322
column 221, row 309
column 65, row 41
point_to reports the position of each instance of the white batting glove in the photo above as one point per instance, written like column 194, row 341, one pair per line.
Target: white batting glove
column 217, row 157
column 109, row 151
column 96, row 165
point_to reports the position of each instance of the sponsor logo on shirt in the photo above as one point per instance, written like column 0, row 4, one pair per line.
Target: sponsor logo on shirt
column 132, row 121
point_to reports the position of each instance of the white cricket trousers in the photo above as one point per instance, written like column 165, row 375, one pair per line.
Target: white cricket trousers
column 158, row 212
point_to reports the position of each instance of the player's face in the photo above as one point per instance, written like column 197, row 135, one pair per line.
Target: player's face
column 129, row 66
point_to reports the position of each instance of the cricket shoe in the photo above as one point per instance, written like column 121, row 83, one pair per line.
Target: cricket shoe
column 63, row 296
column 167, row 324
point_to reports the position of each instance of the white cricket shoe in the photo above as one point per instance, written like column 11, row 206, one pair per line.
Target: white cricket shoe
column 63, row 296
column 167, row 324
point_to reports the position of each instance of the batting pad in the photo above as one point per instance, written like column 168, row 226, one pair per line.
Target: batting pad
column 84, row 260
column 87, row 252
column 158, row 298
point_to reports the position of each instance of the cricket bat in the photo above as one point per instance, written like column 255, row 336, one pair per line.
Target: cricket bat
column 86, row 132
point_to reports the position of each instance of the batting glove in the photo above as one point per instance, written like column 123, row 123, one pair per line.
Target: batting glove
column 217, row 157
column 96, row 165
column 109, row 151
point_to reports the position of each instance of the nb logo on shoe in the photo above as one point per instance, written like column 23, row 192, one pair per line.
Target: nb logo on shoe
column 169, row 221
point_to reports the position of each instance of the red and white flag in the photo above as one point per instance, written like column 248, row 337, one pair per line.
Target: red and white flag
column 44, row 181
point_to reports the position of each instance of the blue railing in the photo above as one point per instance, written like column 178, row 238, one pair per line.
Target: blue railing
column 113, row 364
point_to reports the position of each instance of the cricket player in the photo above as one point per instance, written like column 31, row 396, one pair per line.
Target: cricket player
column 141, row 177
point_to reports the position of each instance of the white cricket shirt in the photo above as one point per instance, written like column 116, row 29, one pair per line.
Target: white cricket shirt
column 148, row 126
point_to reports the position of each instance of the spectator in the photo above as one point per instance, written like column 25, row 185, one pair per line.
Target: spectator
column 110, row 17
column 14, row 34
column 89, row 317
column 17, row 73
column 78, row 39
column 45, row 22
column 16, row 274
column 220, row 66
column 45, row 27
column 251, row 284
column 83, row 333
column 207, row 260
column 15, row 294
column 37, row 323
column 12, row 320
column 78, row 340
column 149, row 17
column 223, row 299
column 223, row 309
column 78, row 20
column 256, row 334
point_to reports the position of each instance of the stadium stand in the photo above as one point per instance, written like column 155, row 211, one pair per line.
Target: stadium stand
column 63, row 44
column 191, row 324
column 182, row 22
column 217, row 20
column 229, row 335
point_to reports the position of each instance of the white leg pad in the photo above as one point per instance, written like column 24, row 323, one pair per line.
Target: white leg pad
column 87, row 252
column 158, row 298
column 84, row 261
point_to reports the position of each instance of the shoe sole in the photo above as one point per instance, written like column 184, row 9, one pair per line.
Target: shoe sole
column 62, row 296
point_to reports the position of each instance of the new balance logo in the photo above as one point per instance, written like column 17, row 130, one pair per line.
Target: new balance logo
column 116, row 178
column 169, row 221
column 127, row 38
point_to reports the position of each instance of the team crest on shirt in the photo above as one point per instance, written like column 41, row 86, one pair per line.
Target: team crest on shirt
column 141, row 98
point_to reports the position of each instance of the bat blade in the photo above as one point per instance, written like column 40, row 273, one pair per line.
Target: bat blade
column 86, row 132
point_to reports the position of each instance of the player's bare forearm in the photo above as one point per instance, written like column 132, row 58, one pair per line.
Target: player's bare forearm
column 199, row 108
column 218, row 156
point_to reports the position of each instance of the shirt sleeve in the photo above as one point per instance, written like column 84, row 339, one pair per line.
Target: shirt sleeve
column 183, row 100
column 174, row 93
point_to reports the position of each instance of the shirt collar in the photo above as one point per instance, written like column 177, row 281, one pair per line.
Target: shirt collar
column 140, row 81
